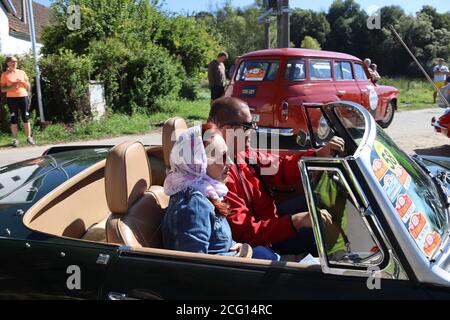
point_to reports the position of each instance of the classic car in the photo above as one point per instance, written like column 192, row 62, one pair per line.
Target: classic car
column 277, row 82
column 442, row 123
column 84, row 223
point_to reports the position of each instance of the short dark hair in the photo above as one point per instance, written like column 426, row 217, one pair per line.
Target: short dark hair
column 222, row 54
column 226, row 109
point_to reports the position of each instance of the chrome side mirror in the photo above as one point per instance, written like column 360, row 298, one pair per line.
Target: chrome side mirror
column 303, row 139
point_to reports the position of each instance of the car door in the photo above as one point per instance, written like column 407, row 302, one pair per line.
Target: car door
column 346, row 86
column 369, row 97
column 354, row 244
column 42, row 267
column 36, row 265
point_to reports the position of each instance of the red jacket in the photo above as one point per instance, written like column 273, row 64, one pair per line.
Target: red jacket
column 257, row 223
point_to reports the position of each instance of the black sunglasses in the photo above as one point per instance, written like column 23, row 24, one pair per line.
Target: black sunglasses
column 246, row 125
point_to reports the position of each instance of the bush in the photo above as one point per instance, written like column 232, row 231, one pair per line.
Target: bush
column 190, row 88
column 152, row 74
column 135, row 77
column 65, row 83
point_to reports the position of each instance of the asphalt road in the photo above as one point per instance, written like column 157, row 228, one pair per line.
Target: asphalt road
column 411, row 130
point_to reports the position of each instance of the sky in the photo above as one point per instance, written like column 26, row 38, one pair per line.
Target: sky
column 410, row 6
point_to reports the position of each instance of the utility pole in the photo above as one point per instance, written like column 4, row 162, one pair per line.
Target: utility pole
column 280, row 9
column 267, row 33
column 283, row 24
column 35, row 53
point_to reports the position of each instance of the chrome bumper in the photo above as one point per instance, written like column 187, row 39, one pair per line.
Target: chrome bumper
column 285, row 132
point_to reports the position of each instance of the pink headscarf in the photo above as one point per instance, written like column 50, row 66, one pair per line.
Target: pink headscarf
column 188, row 162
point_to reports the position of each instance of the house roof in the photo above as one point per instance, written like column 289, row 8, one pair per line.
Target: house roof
column 18, row 23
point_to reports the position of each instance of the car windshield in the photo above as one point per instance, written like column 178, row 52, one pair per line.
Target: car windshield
column 413, row 194
column 257, row 70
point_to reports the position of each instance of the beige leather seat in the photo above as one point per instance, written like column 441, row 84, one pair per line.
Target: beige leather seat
column 172, row 130
column 137, row 208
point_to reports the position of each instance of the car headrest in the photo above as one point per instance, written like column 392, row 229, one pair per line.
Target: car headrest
column 172, row 130
column 127, row 175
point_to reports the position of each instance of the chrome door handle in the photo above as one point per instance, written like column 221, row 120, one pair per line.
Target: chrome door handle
column 364, row 90
column 119, row 296
column 341, row 92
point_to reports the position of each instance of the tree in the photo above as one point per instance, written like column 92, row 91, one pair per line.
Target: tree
column 309, row 23
column 348, row 25
column 310, row 43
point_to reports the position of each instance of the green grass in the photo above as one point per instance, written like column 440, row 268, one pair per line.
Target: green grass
column 117, row 124
column 414, row 93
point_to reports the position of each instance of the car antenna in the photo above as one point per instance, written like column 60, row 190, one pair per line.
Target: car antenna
column 420, row 66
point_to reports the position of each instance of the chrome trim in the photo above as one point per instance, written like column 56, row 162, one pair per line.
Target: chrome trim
column 285, row 132
column 438, row 125
column 393, row 270
column 103, row 258
column 355, row 182
column 338, row 171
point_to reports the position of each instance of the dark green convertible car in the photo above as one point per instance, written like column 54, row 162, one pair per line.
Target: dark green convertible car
column 84, row 223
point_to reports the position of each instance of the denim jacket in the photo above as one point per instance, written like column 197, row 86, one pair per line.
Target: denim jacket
column 191, row 224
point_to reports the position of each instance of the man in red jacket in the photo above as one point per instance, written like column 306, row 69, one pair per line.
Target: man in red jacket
column 255, row 218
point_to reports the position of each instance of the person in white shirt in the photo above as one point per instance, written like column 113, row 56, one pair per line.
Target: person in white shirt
column 440, row 74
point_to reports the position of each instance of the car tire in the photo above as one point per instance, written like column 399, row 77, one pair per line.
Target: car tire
column 388, row 117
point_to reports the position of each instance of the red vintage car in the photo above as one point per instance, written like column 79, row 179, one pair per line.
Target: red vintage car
column 277, row 82
column 442, row 124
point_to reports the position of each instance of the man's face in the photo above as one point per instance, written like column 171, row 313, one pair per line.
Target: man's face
column 237, row 132
column 222, row 59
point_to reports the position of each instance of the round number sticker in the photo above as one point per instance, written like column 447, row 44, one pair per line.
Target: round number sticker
column 386, row 156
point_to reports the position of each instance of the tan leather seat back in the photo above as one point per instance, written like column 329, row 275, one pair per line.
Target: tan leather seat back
column 141, row 227
column 136, row 209
column 172, row 130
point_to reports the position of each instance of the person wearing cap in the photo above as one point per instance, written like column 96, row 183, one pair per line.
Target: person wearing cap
column 440, row 74
column 16, row 85
column 368, row 64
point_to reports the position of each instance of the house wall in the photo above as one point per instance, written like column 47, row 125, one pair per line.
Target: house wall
column 12, row 45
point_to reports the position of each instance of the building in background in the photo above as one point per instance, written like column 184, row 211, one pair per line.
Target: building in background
column 14, row 28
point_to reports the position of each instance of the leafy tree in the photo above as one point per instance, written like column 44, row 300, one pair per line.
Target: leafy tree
column 309, row 23
column 310, row 43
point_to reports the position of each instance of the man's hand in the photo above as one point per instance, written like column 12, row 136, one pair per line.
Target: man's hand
column 303, row 219
column 335, row 144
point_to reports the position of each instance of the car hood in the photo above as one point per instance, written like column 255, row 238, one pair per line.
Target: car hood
column 27, row 181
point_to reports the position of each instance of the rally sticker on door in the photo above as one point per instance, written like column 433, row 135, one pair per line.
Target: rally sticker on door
column 399, row 187
column 373, row 98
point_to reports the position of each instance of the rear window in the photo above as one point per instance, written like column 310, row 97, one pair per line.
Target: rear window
column 359, row 72
column 295, row 70
column 319, row 70
column 257, row 70
column 343, row 70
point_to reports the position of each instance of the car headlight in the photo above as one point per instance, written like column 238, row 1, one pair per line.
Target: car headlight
column 324, row 129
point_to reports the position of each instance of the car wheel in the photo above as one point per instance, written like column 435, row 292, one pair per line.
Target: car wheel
column 388, row 117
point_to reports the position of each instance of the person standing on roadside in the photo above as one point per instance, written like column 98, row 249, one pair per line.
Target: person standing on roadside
column 15, row 83
column 217, row 76
column 440, row 74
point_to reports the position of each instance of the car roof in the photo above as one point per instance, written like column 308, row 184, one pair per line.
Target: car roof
column 299, row 53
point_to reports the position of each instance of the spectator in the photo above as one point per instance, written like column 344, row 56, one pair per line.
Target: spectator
column 440, row 73
column 376, row 75
column 233, row 68
column 217, row 76
column 16, row 85
column 445, row 91
column 368, row 64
